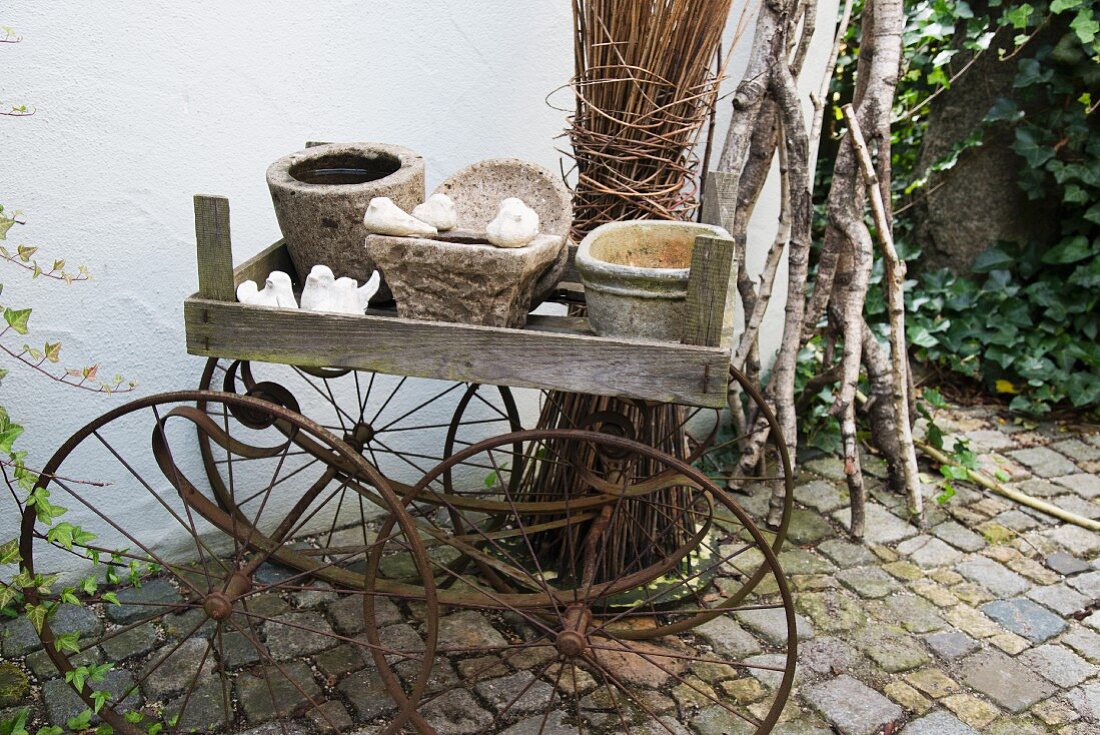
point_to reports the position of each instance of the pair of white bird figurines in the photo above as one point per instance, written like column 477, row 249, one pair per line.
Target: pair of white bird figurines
column 322, row 292
column 515, row 225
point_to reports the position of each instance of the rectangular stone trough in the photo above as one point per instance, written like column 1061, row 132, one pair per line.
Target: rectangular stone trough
column 459, row 279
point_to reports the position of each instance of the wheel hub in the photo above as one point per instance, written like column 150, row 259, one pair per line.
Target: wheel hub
column 360, row 436
column 570, row 643
column 218, row 604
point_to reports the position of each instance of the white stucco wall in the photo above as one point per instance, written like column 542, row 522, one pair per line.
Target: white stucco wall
column 142, row 104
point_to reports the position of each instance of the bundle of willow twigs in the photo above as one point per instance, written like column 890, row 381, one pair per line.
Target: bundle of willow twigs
column 645, row 84
column 641, row 532
column 646, row 81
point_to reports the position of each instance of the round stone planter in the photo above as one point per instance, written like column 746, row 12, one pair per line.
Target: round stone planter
column 635, row 276
column 321, row 193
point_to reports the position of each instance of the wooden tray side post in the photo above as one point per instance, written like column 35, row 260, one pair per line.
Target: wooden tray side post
column 720, row 199
column 215, row 251
column 709, row 319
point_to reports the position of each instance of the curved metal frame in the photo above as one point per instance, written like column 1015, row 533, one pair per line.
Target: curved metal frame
column 556, row 606
column 238, row 585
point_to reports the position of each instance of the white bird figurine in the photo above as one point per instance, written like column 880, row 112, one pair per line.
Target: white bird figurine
column 248, row 292
column 386, row 218
column 276, row 292
column 284, row 291
column 439, row 212
column 319, row 291
column 368, row 290
column 345, row 296
column 515, row 225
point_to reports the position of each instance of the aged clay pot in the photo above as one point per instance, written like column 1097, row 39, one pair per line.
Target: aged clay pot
column 321, row 193
column 635, row 276
column 478, row 190
column 467, row 282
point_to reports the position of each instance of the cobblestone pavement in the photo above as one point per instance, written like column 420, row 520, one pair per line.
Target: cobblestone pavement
column 982, row 624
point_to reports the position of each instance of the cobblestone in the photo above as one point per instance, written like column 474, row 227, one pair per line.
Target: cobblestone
column 951, row 644
column 1004, row 680
column 1043, row 461
column 1065, row 564
column 869, row 582
column 1087, row 584
column 938, row 723
column 156, row 592
column 995, row 577
column 958, row 536
column 846, row 554
column 1058, row 665
column 1085, row 485
column 1025, row 618
column 852, row 706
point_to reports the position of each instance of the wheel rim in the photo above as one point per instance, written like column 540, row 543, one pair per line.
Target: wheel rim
column 215, row 601
column 774, row 476
column 582, row 628
column 388, row 420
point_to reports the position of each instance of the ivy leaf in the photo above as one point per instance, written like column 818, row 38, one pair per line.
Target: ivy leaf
column 17, row 319
column 1085, row 26
column 82, row 721
column 1070, row 250
column 53, row 351
column 1059, row 6
column 9, row 552
column 67, row 642
column 1003, row 110
column 1031, row 149
column 994, row 258
column 36, row 614
column 8, row 593
column 8, row 436
column 1017, row 17
column 946, row 495
column 5, row 225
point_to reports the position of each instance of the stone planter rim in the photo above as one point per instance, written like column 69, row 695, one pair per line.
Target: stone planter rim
column 278, row 173
column 637, row 281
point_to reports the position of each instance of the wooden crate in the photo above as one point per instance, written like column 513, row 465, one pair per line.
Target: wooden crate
column 552, row 352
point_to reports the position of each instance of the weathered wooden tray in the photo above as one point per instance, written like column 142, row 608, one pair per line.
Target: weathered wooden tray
column 551, row 352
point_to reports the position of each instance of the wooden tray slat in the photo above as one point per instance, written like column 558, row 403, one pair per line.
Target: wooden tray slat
column 549, row 354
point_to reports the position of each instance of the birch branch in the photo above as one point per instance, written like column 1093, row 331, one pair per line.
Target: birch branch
column 895, row 284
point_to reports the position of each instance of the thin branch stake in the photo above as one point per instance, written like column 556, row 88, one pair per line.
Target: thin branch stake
column 895, row 284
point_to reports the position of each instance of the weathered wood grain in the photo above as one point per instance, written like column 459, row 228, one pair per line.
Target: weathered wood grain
column 709, row 292
column 720, row 201
column 272, row 258
column 215, row 252
column 548, row 354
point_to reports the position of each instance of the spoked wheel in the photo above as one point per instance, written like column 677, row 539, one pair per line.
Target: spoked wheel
column 210, row 631
column 768, row 482
column 573, row 612
column 402, row 426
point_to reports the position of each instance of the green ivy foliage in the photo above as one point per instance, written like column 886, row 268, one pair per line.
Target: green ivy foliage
column 1025, row 322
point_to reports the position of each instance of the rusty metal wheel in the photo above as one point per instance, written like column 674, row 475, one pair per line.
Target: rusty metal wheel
column 402, row 426
column 769, row 488
column 576, row 612
column 212, row 631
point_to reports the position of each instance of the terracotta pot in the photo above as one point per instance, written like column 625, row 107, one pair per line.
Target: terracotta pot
column 635, row 276
column 321, row 193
